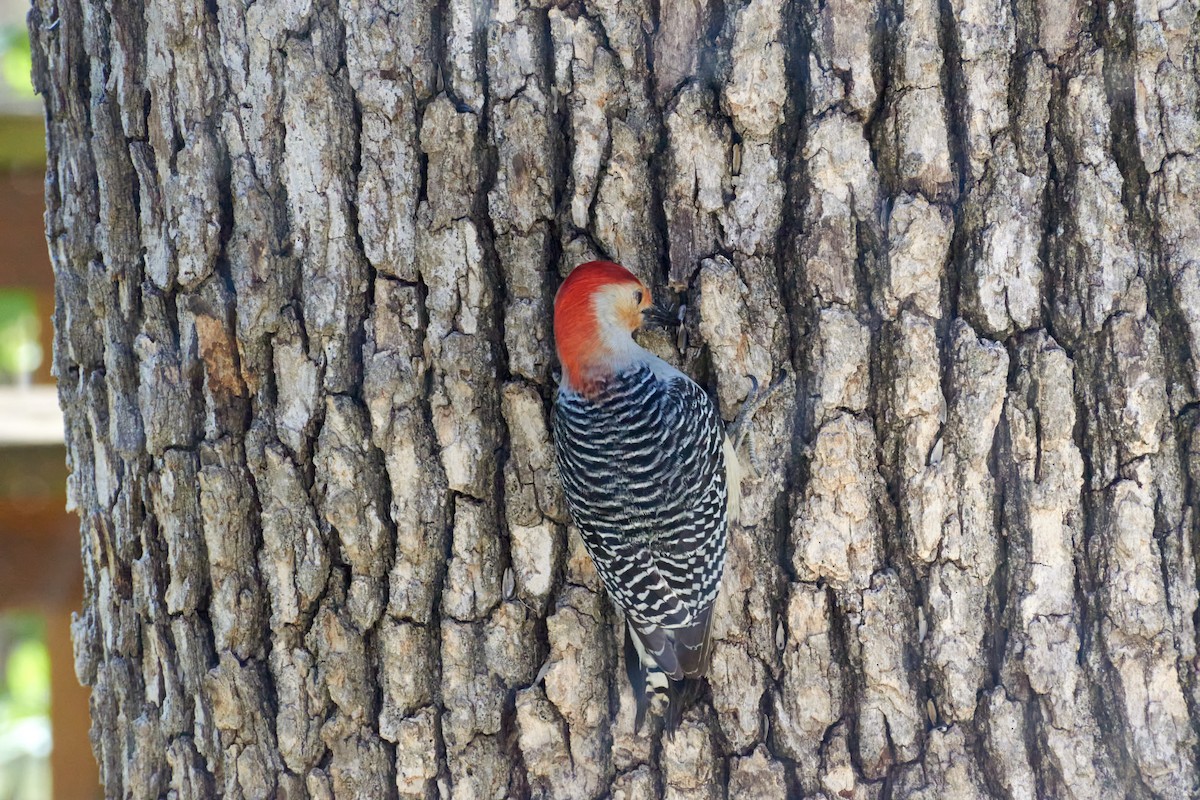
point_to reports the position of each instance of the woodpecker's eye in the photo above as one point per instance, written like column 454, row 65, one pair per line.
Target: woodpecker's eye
column 638, row 296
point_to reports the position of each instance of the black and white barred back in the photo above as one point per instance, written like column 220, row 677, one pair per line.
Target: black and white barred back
column 643, row 472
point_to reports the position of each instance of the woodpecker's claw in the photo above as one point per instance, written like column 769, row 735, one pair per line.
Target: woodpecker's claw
column 739, row 430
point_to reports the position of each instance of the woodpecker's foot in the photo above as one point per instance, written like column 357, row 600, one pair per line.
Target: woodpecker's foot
column 739, row 430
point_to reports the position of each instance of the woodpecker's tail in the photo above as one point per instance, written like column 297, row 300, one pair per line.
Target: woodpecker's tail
column 648, row 681
column 681, row 695
column 638, row 677
column 667, row 663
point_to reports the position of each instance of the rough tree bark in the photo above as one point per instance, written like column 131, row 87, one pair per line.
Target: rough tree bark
column 305, row 255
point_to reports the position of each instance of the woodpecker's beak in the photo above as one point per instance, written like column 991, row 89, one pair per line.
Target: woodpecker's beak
column 660, row 316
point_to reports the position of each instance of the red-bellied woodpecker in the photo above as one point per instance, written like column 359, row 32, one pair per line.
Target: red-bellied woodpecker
column 649, row 477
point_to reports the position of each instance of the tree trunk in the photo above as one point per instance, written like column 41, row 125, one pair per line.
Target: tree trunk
column 305, row 259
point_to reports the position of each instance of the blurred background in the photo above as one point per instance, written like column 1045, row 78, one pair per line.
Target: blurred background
column 44, row 749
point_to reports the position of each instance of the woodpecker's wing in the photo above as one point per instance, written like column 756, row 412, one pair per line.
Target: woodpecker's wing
column 643, row 471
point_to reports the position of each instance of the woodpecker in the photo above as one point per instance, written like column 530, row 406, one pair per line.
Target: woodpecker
column 650, row 479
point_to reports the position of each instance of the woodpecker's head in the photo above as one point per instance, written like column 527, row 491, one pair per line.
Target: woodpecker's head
column 596, row 311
